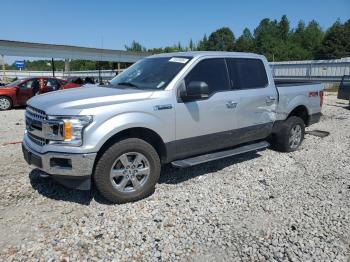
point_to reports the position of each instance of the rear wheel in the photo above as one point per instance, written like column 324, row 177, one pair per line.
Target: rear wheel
column 290, row 135
column 127, row 171
column 5, row 103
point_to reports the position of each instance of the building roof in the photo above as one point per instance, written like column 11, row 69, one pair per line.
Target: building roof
column 27, row 49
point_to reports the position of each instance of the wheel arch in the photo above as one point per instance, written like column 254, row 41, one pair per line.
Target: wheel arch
column 146, row 134
column 302, row 112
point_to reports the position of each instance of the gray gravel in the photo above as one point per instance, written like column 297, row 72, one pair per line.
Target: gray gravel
column 264, row 206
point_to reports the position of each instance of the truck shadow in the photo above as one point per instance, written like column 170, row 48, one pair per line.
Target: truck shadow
column 49, row 188
column 172, row 175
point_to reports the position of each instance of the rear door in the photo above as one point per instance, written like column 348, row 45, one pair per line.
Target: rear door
column 206, row 125
column 50, row 84
column 255, row 112
column 344, row 88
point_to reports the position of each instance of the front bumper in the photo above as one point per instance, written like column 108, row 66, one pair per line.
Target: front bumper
column 62, row 164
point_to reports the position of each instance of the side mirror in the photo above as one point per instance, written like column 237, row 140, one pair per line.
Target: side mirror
column 195, row 90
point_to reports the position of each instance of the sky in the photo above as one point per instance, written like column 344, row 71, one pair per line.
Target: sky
column 153, row 23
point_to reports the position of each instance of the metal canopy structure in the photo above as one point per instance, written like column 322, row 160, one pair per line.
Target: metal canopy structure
column 16, row 48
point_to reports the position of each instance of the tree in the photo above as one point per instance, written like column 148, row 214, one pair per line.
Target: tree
column 336, row 41
column 203, row 44
column 309, row 38
column 267, row 39
column 221, row 40
column 135, row 47
column 245, row 42
column 191, row 45
column 283, row 27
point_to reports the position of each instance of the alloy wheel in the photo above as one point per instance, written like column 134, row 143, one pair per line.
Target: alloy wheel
column 295, row 136
column 4, row 104
column 130, row 172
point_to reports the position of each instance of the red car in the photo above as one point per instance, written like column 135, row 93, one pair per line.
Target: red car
column 73, row 82
column 18, row 92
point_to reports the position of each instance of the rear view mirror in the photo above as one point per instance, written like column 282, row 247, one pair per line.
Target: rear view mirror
column 195, row 90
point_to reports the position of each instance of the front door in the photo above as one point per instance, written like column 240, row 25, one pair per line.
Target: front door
column 206, row 125
column 25, row 91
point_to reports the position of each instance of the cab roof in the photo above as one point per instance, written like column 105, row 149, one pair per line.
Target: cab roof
column 197, row 54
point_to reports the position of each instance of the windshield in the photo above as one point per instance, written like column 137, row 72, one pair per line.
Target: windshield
column 14, row 83
column 150, row 73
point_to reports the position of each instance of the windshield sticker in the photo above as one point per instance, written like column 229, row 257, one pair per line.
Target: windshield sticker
column 160, row 84
column 178, row 60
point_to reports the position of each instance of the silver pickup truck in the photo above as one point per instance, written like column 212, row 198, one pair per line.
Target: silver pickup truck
column 181, row 108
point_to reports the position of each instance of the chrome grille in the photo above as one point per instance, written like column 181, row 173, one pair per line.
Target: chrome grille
column 37, row 140
column 35, row 113
column 34, row 119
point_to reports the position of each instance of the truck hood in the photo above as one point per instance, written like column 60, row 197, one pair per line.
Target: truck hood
column 73, row 101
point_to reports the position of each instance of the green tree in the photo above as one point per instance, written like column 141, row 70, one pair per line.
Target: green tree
column 283, row 27
column 135, row 47
column 267, row 39
column 191, row 45
column 81, row 65
column 246, row 42
column 158, row 50
column 203, row 44
column 221, row 40
column 336, row 41
column 309, row 39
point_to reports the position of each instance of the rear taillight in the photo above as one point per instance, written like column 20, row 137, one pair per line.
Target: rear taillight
column 321, row 98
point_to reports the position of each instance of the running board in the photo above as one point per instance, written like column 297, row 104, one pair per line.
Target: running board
column 218, row 155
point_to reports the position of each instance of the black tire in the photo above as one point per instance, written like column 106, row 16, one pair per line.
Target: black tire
column 5, row 103
column 108, row 187
column 281, row 140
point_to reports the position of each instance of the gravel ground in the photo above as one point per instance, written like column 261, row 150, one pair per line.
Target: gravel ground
column 258, row 206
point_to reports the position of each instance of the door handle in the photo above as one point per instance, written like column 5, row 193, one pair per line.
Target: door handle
column 231, row 104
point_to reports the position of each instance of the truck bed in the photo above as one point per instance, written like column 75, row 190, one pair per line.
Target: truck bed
column 298, row 93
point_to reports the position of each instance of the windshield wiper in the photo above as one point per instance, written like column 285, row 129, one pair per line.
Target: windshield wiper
column 126, row 84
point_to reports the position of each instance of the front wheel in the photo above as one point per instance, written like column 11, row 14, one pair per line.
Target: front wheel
column 290, row 135
column 5, row 103
column 127, row 171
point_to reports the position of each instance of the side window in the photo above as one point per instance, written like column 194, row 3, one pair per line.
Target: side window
column 51, row 82
column 247, row 73
column 211, row 71
column 27, row 84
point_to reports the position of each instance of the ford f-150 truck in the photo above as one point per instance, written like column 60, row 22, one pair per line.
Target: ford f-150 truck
column 181, row 108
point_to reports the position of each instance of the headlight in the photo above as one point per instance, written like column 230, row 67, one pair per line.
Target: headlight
column 71, row 129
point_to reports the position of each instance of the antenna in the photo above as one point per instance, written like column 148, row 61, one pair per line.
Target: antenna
column 99, row 63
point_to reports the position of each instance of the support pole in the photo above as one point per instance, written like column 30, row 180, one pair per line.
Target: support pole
column 66, row 67
column 99, row 73
column 3, row 68
column 53, row 67
column 118, row 67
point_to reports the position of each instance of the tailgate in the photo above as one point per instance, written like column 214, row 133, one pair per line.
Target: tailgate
column 344, row 88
